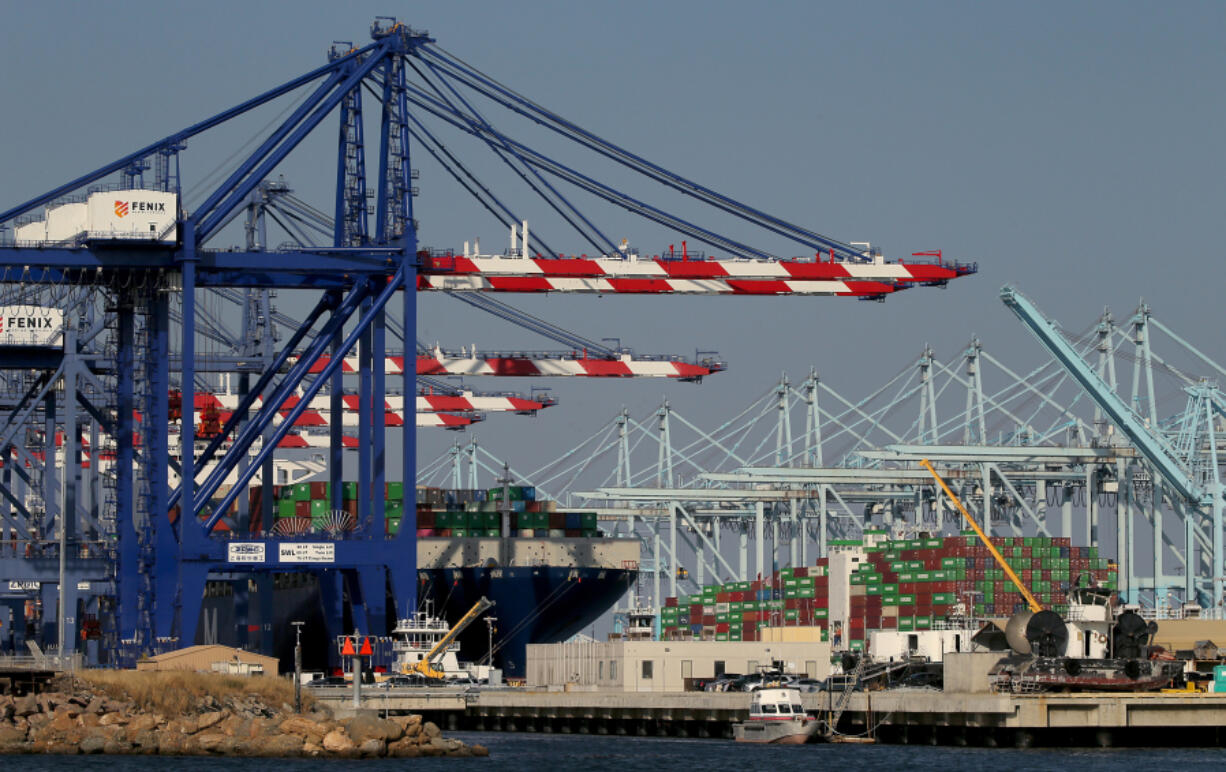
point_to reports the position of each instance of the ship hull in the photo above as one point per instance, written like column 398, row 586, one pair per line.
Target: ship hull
column 543, row 604
column 574, row 582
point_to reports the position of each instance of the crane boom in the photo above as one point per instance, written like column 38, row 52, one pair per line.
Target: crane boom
column 1150, row 445
column 1000, row 560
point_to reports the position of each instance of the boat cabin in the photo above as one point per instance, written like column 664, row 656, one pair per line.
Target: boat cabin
column 774, row 704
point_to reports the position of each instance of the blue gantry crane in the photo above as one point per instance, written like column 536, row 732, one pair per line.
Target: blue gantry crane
column 100, row 327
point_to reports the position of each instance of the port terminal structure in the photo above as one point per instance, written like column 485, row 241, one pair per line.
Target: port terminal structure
column 1114, row 441
column 125, row 284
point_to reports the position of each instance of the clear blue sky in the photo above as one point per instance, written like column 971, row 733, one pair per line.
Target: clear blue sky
column 1074, row 149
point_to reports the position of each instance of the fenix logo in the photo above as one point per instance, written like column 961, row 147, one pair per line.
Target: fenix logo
column 124, row 208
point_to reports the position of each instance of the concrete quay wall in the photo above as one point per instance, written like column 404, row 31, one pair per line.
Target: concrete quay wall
column 918, row 716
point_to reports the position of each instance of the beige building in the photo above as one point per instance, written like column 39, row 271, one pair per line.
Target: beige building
column 212, row 659
column 663, row 666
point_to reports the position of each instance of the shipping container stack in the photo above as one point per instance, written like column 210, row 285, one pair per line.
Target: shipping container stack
column 308, row 506
column 906, row 585
column 912, row 584
column 738, row 611
column 450, row 513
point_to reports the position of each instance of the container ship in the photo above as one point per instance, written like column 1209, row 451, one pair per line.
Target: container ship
column 551, row 576
column 876, row 583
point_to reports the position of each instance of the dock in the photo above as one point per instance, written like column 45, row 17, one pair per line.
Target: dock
column 900, row 716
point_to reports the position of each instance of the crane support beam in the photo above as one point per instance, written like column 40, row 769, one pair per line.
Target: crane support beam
column 1153, row 448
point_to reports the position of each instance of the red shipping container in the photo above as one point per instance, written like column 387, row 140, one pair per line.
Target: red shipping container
column 708, row 619
column 800, row 572
column 670, row 603
column 889, row 623
column 695, row 609
column 302, row 509
column 749, row 635
column 723, row 597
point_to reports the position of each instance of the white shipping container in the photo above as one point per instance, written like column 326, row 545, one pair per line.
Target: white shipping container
column 143, row 215
column 66, row 221
column 31, row 326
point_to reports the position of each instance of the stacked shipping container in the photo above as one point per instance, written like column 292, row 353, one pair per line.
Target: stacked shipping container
column 309, row 505
column 736, row 611
column 904, row 584
column 476, row 513
column 441, row 512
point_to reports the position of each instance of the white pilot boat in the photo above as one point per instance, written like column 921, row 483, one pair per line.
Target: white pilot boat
column 776, row 716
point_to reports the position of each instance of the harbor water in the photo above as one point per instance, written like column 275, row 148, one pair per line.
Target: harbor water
column 534, row 752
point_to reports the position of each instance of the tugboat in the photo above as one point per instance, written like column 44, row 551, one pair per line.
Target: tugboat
column 425, row 645
column 776, row 716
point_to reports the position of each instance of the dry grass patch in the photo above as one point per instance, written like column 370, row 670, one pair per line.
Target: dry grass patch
column 176, row 692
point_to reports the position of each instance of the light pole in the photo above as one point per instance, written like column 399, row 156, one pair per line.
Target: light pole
column 297, row 666
column 489, row 652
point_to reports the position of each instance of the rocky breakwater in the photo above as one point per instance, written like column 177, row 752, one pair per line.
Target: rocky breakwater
column 78, row 720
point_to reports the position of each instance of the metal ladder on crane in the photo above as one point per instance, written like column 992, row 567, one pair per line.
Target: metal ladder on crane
column 845, row 698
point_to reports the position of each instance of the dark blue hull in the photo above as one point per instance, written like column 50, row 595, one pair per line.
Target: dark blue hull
column 539, row 604
column 542, row 604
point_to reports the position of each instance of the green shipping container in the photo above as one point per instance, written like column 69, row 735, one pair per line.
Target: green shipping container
column 285, row 508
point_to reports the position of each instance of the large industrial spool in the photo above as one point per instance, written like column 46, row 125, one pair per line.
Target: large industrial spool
column 1042, row 633
column 1130, row 636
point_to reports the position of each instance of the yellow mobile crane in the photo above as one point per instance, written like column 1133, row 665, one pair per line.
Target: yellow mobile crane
column 425, row 665
column 1039, row 631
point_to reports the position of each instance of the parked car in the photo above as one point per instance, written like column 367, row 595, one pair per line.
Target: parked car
column 924, row 679
column 808, row 685
column 720, row 683
column 331, row 681
column 401, row 680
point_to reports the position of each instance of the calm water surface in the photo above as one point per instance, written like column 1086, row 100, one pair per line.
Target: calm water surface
column 581, row 753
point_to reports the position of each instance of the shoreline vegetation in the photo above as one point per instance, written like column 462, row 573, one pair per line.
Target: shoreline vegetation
column 204, row 714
